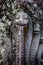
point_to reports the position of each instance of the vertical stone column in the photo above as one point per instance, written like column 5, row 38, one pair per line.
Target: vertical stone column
column 20, row 46
column 35, row 44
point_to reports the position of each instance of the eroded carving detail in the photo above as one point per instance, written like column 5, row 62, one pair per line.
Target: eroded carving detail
column 15, row 16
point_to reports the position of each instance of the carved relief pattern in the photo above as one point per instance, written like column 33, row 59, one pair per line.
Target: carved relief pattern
column 15, row 15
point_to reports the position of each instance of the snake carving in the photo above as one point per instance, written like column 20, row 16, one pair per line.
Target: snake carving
column 21, row 34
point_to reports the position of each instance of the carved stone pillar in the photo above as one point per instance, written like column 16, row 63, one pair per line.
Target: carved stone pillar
column 35, row 43
column 20, row 47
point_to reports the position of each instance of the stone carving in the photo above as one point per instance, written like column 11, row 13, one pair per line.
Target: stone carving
column 35, row 43
column 21, row 36
column 21, row 21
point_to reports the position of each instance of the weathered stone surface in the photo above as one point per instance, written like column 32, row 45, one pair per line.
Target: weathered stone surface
column 14, row 15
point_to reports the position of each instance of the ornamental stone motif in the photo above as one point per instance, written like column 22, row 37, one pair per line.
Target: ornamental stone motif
column 21, row 32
